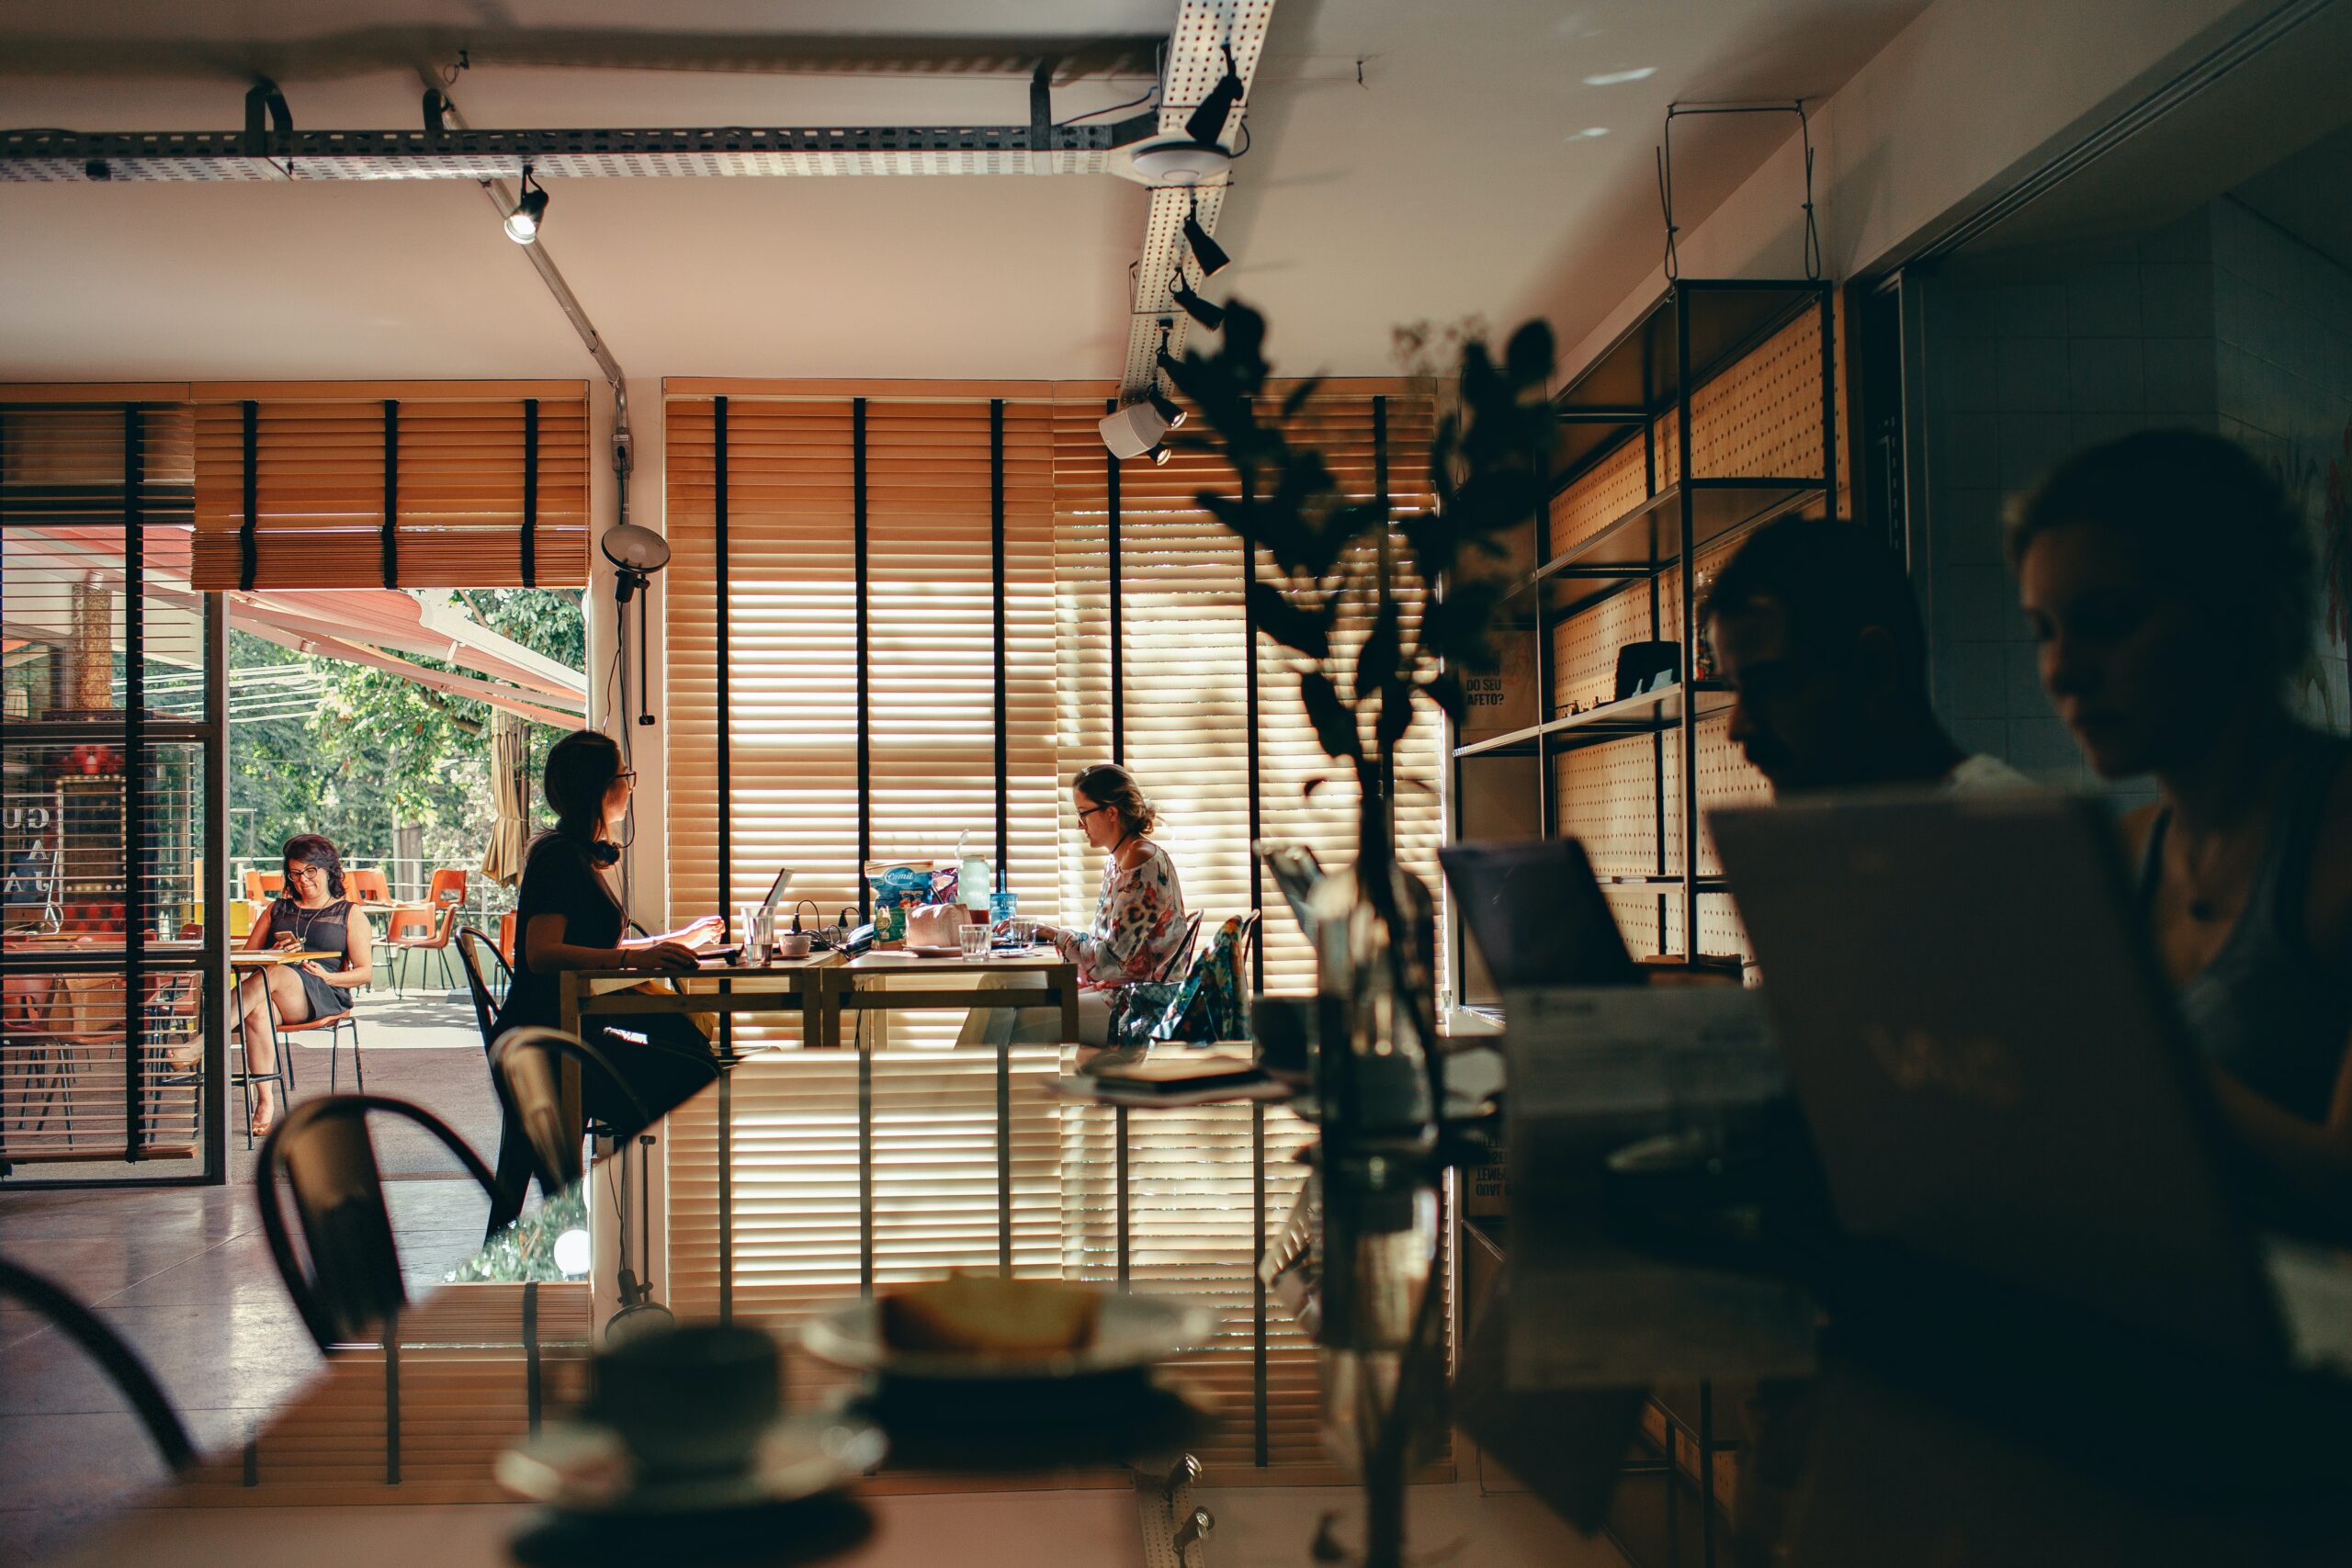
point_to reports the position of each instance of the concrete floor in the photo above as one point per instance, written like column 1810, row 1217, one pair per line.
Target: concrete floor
column 185, row 1275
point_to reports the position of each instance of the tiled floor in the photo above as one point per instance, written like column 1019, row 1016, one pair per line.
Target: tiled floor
column 185, row 1275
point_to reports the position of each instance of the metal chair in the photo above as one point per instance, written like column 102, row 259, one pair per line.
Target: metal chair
column 334, row 1024
column 514, row 1170
column 370, row 885
column 544, row 1102
column 322, row 1150
column 423, row 928
column 113, row 1355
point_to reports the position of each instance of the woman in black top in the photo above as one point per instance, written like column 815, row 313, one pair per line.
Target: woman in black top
column 311, row 916
column 566, row 917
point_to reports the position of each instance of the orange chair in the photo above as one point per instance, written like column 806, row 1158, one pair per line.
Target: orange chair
column 368, row 885
column 261, row 886
column 428, row 926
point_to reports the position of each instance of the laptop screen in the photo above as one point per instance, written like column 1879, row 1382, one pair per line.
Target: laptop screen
column 1538, row 915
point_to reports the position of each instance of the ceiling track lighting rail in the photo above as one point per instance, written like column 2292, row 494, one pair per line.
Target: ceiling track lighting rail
column 47, row 156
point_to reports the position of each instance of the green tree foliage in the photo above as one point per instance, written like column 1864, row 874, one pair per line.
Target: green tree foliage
column 380, row 749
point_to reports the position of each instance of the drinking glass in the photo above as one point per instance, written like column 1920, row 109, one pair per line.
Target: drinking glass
column 754, row 922
column 973, row 938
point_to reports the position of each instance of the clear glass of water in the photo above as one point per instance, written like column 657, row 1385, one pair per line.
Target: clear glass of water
column 972, row 938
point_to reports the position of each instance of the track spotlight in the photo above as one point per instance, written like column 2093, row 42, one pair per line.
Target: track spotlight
column 1209, row 315
column 530, row 211
column 1205, row 251
column 1159, row 454
column 1207, row 123
column 1166, row 407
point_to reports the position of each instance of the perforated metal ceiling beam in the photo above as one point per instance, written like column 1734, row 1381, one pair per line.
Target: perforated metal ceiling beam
column 1204, row 29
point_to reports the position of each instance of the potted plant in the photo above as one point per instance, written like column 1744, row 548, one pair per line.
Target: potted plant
column 1428, row 580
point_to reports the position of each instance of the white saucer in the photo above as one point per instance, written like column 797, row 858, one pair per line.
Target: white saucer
column 586, row 1469
column 927, row 950
column 1130, row 1332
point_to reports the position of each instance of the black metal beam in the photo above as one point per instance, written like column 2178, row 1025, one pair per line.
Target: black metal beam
column 865, row 645
column 51, row 157
column 391, row 535
column 531, row 503
column 134, row 785
column 719, row 662
column 1118, row 632
column 1003, row 690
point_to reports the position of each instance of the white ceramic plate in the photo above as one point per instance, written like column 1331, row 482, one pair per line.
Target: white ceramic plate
column 581, row 1467
column 1130, row 1332
column 927, row 951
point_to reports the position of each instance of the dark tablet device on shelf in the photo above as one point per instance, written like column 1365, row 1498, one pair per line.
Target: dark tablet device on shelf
column 1538, row 914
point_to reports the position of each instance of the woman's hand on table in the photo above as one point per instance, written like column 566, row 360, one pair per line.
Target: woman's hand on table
column 665, row 956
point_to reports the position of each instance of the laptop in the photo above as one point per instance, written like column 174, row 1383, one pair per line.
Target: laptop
column 1990, row 1062
column 1538, row 914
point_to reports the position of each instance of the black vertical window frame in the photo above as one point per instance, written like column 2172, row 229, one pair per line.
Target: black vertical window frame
column 1118, row 632
column 865, row 673
column 531, row 497
column 134, row 782
column 718, row 664
column 391, row 492
column 1004, row 699
column 1387, row 560
column 248, row 546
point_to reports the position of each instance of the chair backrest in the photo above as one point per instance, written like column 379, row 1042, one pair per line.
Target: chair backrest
column 526, row 1065
column 322, row 1150
column 263, row 885
column 1182, row 954
column 448, row 886
column 473, row 948
column 506, row 937
column 369, row 884
column 112, row 1353
column 411, row 923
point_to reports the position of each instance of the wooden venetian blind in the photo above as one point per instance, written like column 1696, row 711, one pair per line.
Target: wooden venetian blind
column 392, row 485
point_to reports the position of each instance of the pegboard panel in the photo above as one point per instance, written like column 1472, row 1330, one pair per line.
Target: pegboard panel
column 1721, row 933
column 1584, row 647
column 1761, row 416
column 1724, row 778
column 1607, row 796
column 1637, row 919
column 1600, row 495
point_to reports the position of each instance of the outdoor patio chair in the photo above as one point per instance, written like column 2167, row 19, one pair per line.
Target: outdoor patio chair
column 352, row 1287
column 261, row 886
column 428, row 926
column 122, row 1365
column 367, row 886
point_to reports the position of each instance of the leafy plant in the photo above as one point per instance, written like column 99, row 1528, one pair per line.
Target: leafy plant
column 1330, row 552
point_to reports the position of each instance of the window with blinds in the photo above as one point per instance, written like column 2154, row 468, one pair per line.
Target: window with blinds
column 111, row 744
column 391, row 485
column 894, row 619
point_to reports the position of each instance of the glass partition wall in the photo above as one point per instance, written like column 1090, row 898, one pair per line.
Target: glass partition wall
column 112, row 1040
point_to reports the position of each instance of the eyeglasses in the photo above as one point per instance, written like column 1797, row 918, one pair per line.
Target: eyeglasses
column 626, row 775
column 305, row 873
column 1089, row 811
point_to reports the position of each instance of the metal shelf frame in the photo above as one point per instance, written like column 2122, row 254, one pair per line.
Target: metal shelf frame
column 1698, row 330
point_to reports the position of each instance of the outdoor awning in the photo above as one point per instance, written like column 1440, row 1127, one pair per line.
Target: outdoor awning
column 363, row 626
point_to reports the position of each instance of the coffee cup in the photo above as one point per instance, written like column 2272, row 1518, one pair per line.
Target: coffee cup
column 689, row 1400
column 792, row 944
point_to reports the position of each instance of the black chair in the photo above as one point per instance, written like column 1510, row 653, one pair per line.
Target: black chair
column 321, row 1147
column 544, row 1102
column 112, row 1353
column 476, row 954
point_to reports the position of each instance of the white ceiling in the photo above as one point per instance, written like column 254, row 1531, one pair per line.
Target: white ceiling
column 1473, row 172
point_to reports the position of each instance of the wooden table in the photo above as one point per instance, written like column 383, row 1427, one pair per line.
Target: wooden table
column 820, row 988
column 271, row 958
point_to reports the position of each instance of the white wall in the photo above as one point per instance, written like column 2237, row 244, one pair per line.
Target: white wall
column 1967, row 100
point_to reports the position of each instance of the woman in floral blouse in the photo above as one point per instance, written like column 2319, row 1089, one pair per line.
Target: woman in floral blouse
column 1138, row 926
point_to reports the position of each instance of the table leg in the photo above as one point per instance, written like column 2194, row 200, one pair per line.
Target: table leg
column 1067, row 983
column 567, row 1003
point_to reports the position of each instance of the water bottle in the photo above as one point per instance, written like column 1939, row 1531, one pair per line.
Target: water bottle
column 971, row 875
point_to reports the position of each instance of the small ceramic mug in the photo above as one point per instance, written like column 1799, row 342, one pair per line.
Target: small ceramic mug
column 792, row 944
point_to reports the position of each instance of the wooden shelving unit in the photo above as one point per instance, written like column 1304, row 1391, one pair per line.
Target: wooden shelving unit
column 1688, row 388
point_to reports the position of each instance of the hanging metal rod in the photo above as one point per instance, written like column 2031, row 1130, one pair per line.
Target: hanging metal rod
column 46, row 156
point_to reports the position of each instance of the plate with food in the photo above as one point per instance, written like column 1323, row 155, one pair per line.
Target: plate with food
column 984, row 1326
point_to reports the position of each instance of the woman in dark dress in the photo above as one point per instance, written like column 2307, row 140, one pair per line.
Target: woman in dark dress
column 566, row 917
column 311, row 916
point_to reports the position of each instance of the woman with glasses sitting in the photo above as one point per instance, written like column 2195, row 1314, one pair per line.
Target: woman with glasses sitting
column 311, row 915
column 566, row 917
column 1138, row 925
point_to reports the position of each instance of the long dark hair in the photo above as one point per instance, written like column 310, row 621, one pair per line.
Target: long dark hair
column 580, row 770
column 313, row 850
